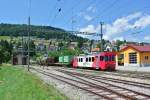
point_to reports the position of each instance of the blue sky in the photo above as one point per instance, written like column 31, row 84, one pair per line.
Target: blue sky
column 121, row 18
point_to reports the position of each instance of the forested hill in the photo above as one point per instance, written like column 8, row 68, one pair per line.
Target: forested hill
column 46, row 32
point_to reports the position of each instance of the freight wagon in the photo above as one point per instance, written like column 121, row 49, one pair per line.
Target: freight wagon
column 65, row 60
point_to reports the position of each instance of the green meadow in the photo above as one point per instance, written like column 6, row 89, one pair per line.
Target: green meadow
column 18, row 84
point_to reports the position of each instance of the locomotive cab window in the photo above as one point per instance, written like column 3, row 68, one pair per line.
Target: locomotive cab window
column 81, row 59
column 86, row 59
column 101, row 58
column 106, row 58
column 92, row 59
column 113, row 57
column 109, row 58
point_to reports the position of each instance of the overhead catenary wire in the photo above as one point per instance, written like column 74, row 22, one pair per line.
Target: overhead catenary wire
column 55, row 16
column 112, row 4
column 90, row 3
column 137, row 32
column 72, row 8
column 57, row 11
column 143, row 8
column 104, row 12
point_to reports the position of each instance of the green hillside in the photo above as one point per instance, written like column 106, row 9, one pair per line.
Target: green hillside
column 46, row 32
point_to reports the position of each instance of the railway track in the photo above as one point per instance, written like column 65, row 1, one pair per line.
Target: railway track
column 124, row 90
column 105, row 91
column 98, row 77
column 138, row 75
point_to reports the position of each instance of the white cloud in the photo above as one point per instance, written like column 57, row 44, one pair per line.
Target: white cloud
column 147, row 38
column 89, row 29
column 143, row 22
column 91, row 9
column 120, row 25
column 134, row 15
column 87, row 17
column 114, row 30
column 119, row 38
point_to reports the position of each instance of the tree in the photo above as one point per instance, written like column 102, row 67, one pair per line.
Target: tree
column 80, row 44
column 91, row 43
column 32, row 48
column 1, row 55
column 64, row 52
column 60, row 45
column 119, row 43
column 5, row 51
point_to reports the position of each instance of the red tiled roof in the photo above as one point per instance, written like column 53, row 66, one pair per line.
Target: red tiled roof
column 145, row 48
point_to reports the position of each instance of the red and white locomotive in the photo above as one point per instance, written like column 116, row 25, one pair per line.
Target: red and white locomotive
column 102, row 61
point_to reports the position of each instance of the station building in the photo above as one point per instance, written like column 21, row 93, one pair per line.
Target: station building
column 135, row 55
column 19, row 57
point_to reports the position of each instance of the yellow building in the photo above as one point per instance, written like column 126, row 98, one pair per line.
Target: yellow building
column 133, row 55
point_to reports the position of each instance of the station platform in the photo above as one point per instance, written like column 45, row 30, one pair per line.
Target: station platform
column 131, row 68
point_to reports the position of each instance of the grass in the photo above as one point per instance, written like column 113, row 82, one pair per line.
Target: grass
column 17, row 84
column 4, row 37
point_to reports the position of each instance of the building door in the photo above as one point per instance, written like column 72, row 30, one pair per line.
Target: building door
column 133, row 58
column 121, row 59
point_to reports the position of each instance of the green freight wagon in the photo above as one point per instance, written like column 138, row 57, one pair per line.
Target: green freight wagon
column 61, row 59
column 67, row 59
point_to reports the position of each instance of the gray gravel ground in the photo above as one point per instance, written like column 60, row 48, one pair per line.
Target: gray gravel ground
column 72, row 92
column 75, row 93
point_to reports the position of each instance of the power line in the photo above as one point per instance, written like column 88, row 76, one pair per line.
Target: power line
column 90, row 3
column 56, row 13
column 55, row 16
column 143, row 8
column 76, row 5
column 104, row 11
column 113, row 4
column 140, row 31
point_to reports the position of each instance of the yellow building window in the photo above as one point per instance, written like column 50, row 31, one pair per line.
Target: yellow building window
column 133, row 58
column 146, row 57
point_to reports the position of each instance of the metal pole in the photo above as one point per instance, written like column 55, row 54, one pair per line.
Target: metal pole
column 22, row 50
column 101, row 36
column 72, row 21
column 29, row 43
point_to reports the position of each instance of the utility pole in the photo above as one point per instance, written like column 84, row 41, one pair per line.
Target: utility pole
column 22, row 48
column 29, row 36
column 101, row 36
column 29, row 43
column 72, row 21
